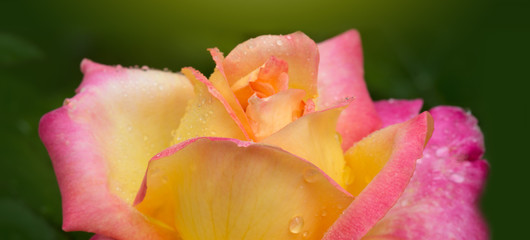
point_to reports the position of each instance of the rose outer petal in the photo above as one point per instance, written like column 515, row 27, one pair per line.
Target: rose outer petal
column 440, row 201
column 394, row 111
column 211, row 188
column 101, row 140
column 402, row 144
column 341, row 76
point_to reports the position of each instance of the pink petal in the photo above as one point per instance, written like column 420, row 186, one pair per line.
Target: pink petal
column 101, row 140
column 340, row 76
column 441, row 199
column 384, row 190
column 394, row 111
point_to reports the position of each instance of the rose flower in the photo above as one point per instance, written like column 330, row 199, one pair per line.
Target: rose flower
column 282, row 141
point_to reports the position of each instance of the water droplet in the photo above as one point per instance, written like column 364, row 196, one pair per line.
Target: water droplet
column 279, row 42
column 457, row 178
column 66, row 101
column 288, row 37
column 442, row 152
column 305, row 234
column 129, row 128
column 323, row 213
column 296, row 224
column 338, row 137
column 348, row 175
column 145, row 68
column 310, row 175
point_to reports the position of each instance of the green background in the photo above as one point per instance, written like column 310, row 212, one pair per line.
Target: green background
column 473, row 54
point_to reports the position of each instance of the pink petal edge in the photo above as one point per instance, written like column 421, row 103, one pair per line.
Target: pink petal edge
column 384, row 190
column 81, row 172
column 340, row 76
column 441, row 200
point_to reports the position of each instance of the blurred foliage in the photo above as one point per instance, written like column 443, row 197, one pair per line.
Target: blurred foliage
column 467, row 53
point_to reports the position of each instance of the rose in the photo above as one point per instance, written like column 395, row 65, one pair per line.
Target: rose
column 297, row 181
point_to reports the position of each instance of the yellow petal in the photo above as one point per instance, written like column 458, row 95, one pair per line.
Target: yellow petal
column 231, row 103
column 131, row 125
column 313, row 137
column 219, row 189
column 205, row 115
column 366, row 158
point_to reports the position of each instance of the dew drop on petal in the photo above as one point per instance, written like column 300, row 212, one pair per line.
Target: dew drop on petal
column 323, row 213
column 457, row 178
column 442, row 152
column 279, row 42
column 296, row 224
column 348, row 175
column 310, row 175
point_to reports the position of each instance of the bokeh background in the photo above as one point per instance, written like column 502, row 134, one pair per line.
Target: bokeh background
column 471, row 53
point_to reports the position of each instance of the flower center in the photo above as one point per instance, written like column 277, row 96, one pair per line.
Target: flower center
column 266, row 99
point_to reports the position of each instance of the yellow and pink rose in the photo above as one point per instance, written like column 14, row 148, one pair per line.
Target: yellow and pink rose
column 282, row 141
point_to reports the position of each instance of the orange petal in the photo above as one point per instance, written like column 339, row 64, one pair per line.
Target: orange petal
column 298, row 50
column 268, row 115
column 272, row 77
column 313, row 137
column 206, row 114
column 227, row 189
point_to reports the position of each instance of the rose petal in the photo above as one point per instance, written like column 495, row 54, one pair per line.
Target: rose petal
column 440, row 201
column 341, row 76
column 401, row 145
column 219, row 81
column 268, row 115
column 394, row 111
column 207, row 113
column 313, row 137
column 227, row 189
column 101, row 140
column 298, row 50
